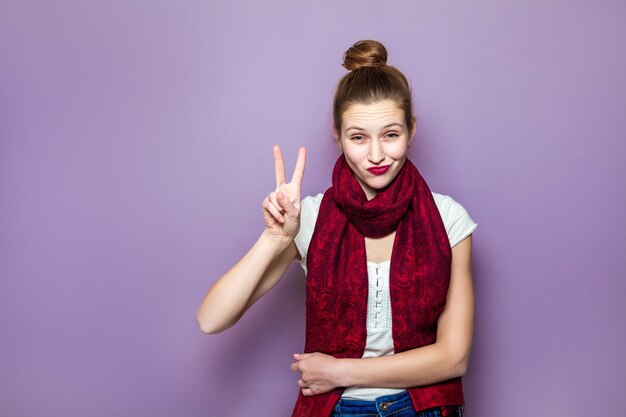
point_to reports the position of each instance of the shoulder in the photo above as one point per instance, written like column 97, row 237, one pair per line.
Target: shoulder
column 309, row 208
column 457, row 221
column 312, row 201
column 446, row 203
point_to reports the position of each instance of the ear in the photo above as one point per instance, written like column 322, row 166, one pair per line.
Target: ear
column 337, row 138
column 413, row 129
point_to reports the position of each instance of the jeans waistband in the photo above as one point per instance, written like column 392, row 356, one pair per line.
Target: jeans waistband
column 390, row 404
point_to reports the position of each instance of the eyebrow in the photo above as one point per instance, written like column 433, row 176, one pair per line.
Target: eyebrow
column 384, row 127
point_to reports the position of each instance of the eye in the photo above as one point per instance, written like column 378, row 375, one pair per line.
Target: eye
column 358, row 138
column 392, row 135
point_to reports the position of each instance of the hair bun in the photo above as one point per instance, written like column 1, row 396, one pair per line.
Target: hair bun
column 366, row 53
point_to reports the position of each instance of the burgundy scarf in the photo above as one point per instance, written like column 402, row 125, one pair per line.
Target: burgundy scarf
column 337, row 282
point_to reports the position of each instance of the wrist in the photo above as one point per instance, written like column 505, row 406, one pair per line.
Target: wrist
column 279, row 242
column 344, row 372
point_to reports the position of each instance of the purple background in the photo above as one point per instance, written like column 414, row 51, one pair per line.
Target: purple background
column 136, row 149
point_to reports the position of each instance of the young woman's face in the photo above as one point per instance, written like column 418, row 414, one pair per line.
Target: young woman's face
column 375, row 139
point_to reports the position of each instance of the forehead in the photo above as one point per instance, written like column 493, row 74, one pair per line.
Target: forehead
column 373, row 115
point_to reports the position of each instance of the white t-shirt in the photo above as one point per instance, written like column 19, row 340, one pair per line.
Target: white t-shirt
column 379, row 342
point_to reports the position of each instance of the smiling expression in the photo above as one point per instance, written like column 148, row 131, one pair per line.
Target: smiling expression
column 374, row 136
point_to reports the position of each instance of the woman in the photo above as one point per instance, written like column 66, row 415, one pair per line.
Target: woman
column 390, row 303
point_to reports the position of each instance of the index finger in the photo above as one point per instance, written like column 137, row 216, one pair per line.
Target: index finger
column 298, row 172
column 279, row 166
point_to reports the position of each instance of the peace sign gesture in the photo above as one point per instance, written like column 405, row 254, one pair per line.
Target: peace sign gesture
column 281, row 208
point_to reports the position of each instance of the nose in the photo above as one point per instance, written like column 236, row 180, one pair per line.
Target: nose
column 375, row 154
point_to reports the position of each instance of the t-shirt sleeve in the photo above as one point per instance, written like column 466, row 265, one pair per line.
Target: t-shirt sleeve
column 456, row 219
column 309, row 208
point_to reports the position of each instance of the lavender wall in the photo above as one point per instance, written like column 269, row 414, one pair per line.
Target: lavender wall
column 135, row 152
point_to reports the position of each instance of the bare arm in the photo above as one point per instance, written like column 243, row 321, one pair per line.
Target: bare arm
column 247, row 281
column 265, row 263
column 446, row 358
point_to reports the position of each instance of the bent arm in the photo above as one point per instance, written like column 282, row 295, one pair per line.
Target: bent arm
column 447, row 358
column 247, row 281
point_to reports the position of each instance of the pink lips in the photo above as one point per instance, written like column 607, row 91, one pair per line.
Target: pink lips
column 378, row 170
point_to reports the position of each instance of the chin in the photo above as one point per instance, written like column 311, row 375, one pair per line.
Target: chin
column 378, row 185
column 383, row 180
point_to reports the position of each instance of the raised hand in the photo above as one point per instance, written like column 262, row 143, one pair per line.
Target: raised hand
column 281, row 208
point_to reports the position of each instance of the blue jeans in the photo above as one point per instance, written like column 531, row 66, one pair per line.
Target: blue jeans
column 395, row 405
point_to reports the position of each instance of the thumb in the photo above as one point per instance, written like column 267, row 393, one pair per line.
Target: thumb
column 286, row 204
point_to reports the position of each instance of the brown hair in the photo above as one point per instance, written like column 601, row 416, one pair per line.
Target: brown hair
column 370, row 79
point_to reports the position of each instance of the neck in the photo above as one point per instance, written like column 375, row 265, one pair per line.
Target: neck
column 369, row 191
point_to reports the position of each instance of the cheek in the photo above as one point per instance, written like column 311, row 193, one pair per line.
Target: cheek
column 355, row 153
column 397, row 151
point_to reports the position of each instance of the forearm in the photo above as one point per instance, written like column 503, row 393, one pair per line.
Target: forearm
column 228, row 298
column 445, row 359
column 421, row 366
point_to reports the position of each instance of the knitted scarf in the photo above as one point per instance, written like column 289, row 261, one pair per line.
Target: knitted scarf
column 337, row 281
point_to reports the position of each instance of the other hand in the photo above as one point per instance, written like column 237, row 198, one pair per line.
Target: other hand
column 319, row 373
